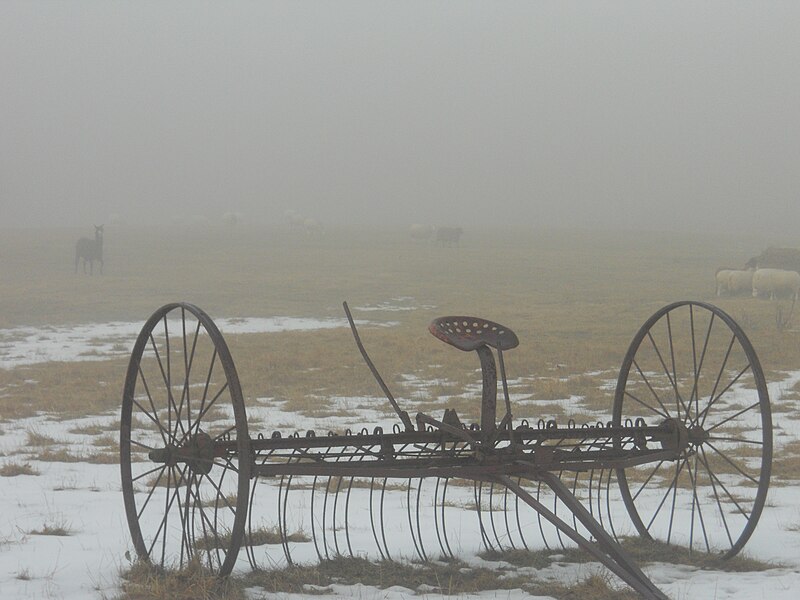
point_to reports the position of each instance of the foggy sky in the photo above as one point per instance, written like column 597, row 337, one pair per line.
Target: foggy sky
column 658, row 115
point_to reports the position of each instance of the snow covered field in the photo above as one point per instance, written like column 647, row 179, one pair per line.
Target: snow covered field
column 82, row 496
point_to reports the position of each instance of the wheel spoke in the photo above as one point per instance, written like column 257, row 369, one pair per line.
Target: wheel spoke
column 730, row 496
column 152, row 489
column 154, row 416
column 733, row 381
column 205, row 390
column 161, row 429
column 135, row 443
column 646, row 481
column 696, row 502
column 672, row 353
column 647, row 406
column 678, row 400
column 699, row 369
column 734, row 465
column 672, row 486
column 673, row 383
column 188, row 359
column 716, row 383
column 220, row 493
column 710, row 473
column 167, row 382
column 735, row 440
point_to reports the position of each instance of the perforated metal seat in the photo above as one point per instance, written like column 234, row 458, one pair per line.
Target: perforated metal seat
column 470, row 333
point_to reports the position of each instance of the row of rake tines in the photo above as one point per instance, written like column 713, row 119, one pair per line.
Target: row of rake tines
column 331, row 496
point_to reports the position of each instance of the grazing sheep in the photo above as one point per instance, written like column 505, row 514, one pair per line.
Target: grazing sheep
column 722, row 277
column 776, row 282
column 776, row 258
column 740, row 281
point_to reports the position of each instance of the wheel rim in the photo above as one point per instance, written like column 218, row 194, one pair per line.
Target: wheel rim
column 692, row 363
column 185, row 497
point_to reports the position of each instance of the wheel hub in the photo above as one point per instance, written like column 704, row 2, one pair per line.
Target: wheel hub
column 697, row 435
column 197, row 453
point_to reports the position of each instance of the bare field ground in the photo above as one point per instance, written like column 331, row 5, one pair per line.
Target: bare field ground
column 575, row 300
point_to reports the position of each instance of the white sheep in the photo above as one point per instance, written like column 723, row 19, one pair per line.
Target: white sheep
column 776, row 282
column 740, row 281
column 723, row 280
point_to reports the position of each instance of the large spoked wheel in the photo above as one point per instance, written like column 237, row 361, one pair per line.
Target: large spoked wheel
column 184, row 447
column 692, row 365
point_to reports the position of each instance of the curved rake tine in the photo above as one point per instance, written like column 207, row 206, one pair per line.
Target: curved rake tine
column 608, row 505
column 539, row 515
column 575, row 493
column 284, row 528
column 325, row 517
column 313, row 519
column 347, row 516
column 599, row 498
column 372, row 517
column 478, row 490
column 410, row 520
column 519, row 524
column 347, row 510
column 336, row 502
column 491, row 517
column 444, row 520
column 419, row 529
column 555, row 512
column 505, row 518
column 333, row 515
column 383, row 526
column 249, row 548
column 436, row 505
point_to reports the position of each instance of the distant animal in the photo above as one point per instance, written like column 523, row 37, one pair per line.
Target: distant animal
column 722, row 278
column 740, row 281
column 776, row 283
column 312, row 226
column 232, row 218
column 89, row 251
column 418, row 231
column 295, row 220
column 448, row 236
column 776, row 258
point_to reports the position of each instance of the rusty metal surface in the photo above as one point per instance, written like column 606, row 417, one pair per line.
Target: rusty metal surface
column 498, row 457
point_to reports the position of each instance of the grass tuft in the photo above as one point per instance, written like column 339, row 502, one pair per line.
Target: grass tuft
column 143, row 581
column 13, row 469
column 648, row 551
column 451, row 578
column 59, row 528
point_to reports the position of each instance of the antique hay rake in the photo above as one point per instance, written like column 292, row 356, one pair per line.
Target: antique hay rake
column 689, row 445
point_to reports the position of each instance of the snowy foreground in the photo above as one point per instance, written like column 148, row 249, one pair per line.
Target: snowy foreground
column 84, row 498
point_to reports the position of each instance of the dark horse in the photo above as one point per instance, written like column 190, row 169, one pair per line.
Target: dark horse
column 90, row 250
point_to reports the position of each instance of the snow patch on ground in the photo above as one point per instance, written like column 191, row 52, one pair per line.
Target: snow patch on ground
column 86, row 499
column 100, row 341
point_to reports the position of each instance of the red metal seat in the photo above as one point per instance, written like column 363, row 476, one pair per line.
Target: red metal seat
column 470, row 333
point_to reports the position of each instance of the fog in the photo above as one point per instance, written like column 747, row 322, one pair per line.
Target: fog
column 667, row 115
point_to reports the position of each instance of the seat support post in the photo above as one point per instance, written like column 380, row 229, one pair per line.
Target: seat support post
column 489, row 395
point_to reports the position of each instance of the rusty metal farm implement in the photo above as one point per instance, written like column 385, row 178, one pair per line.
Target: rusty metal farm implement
column 688, row 445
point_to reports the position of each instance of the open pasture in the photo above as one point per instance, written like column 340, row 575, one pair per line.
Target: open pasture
column 575, row 299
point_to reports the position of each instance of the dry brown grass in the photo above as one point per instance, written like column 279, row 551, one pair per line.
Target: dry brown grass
column 13, row 469
column 143, row 581
column 451, row 578
column 574, row 299
column 786, row 462
column 57, row 527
